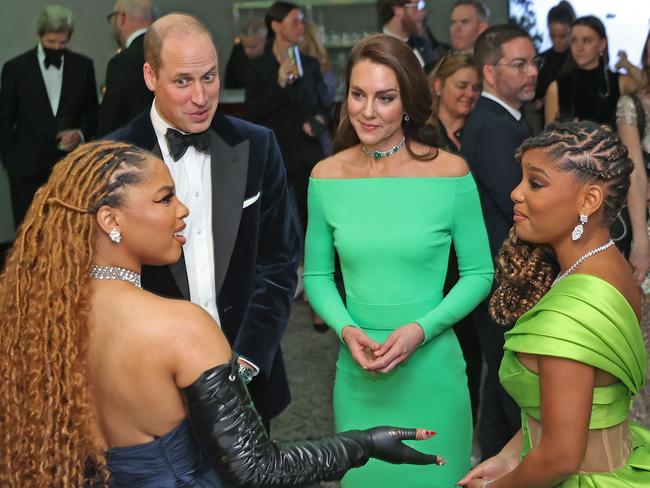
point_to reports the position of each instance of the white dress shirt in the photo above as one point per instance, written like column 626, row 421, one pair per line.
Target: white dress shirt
column 52, row 77
column 515, row 113
column 192, row 176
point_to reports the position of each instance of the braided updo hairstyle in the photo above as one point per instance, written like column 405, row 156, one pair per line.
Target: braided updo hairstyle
column 594, row 154
column 46, row 421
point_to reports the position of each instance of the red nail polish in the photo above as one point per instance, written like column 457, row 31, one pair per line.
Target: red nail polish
column 428, row 433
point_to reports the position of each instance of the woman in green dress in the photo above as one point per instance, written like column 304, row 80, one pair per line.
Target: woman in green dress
column 575, row 358
column 390, row 203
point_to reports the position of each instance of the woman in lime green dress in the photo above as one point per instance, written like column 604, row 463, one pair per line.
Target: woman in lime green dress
column 575, row 358
column 390, row 204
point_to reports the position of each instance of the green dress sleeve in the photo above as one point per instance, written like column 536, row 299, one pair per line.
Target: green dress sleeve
column 319, row 266
column 474, row 262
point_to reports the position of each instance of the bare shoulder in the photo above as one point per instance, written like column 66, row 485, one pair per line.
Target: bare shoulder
column 336, row 166
column 450, row 165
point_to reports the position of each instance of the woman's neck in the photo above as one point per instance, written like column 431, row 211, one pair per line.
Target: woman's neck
column 453, row 123
column 568, row 251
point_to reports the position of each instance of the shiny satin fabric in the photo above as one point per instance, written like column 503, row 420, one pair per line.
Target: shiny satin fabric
column 586, row 319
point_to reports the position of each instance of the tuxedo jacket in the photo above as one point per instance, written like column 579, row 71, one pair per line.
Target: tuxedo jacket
column 285, row 110
column 126, row 93
column 256, row 247
column 28, row 127
column 488, row 142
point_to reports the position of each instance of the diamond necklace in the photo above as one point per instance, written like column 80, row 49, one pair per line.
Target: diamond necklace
column 115, row 273
column 383, row 154
column 581, row 259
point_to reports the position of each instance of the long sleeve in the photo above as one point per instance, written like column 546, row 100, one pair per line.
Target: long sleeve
column 89, row 115
column 319, row 266
column 474, row 261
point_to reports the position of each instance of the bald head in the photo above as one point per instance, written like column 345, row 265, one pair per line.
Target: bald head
column 172, row 26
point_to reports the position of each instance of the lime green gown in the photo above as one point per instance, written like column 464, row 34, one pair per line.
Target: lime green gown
column 585, row 319
column 392, row 236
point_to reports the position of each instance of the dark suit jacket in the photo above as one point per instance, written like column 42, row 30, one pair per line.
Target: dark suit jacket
column 285, row 110
column 488, row 142
column 28, row 127
column 126, row 93
column 256, row 248
column 237, row 68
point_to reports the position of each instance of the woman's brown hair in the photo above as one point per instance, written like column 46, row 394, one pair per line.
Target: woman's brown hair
column 414, row 92
column 46, row 420
column 592, row 153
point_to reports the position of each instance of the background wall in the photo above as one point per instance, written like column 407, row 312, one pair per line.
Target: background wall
column 92, row 37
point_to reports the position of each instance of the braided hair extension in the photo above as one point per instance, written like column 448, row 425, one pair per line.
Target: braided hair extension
column 594, row 154
column 46, row 420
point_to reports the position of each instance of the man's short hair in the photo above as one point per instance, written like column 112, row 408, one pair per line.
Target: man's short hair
column 55, row 18
column 385, row 10
column 488, row 49
column 482, row 12
column 156, row 34
column 254, row 27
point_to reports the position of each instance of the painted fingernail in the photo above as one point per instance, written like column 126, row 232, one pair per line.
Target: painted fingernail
column 428, row 433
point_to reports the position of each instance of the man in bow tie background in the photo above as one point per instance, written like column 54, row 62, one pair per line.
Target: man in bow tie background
column 48, row 106
column 242, row 248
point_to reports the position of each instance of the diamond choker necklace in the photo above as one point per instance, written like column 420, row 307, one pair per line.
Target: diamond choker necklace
column 383, row 154
column 115, row 273
column 581, row 259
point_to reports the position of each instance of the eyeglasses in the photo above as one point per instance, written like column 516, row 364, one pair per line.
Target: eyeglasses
column 420, row 5
column 521, row 66
column 110, row 16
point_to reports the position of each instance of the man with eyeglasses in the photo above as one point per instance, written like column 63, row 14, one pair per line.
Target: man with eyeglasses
column 404, row 19
column 126, row 94
column 506, row 58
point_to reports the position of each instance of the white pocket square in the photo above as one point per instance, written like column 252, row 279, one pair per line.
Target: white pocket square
column 250, row 201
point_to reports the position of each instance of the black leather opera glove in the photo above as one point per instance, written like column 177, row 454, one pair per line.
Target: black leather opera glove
column 232, row 436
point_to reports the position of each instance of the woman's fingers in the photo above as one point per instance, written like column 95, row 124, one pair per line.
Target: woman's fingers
column 423, row 434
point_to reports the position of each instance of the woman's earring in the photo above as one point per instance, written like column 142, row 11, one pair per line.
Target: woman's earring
column 406, row 118
column 115, row 235
column 580, row 228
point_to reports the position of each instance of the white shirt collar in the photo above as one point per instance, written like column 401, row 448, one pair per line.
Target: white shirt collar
column 385, row 30
column 40, row 55
column 131, row 38
column 515, row 113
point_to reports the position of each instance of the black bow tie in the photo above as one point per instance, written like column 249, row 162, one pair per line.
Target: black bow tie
column 53, row 57
column 179, row 142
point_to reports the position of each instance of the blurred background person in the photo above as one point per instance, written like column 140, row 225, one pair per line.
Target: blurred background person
column 48, row 106
column 252, row 41
column 559, row 21
column 468, row 19
column 126, row 94
column 455, row 87
column 633, row 124
column 389, row 204
column 404, row 19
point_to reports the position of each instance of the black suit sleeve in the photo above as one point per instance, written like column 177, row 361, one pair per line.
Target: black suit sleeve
column 491, row 155
column 114, row 107
column 8, row 97
column 89, row 116
column 278, row 254
column 263, row 94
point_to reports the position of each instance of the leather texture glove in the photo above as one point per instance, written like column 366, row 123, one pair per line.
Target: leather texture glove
column 231, row 434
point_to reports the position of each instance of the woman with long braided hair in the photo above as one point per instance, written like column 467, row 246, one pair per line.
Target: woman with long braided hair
column 103, row 382
column 575, row 357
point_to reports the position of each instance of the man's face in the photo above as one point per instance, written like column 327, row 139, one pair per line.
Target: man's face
column 413, row 18
column 187, row 82
column 253, row 45
column 55, row 40
column 514, row 77
column 465, row 27
column 115, row 21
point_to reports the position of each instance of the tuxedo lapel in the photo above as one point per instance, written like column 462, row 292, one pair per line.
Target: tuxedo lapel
column 229, row 168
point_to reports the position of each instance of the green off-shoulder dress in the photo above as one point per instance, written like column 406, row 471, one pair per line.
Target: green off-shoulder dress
column 585, row 319
column 392, row 236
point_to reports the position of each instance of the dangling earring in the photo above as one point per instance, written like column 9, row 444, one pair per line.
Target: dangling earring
column 115, row 235
column 406, row 117
column 580, row 228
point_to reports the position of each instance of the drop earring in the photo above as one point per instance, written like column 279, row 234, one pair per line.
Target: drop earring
column 406, row 117
column 580, row 228
column 115, row 235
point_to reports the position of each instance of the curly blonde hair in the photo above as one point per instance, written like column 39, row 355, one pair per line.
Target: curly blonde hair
column 46, row 419
column 593, row 153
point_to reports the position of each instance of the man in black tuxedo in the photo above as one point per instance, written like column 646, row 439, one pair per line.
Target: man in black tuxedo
column 48, row 106
column 242, row 248
column 126, row 94
column 506, row 57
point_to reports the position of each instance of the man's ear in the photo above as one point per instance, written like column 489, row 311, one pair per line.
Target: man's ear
column 488, row 75
column 149, row 76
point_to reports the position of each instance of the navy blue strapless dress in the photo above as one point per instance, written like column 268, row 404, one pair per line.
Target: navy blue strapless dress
column 171, row 461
